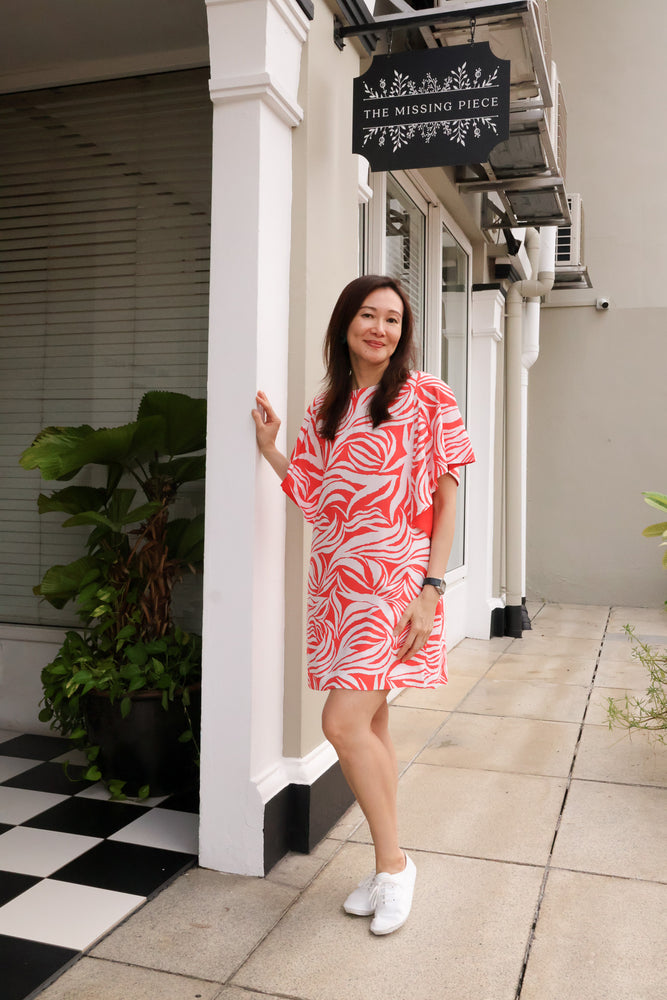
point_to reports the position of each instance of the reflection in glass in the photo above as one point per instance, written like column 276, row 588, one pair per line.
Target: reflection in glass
column 454, row 356
column 405, row 251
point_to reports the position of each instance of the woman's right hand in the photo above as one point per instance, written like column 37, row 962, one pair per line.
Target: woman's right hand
column 267, row 425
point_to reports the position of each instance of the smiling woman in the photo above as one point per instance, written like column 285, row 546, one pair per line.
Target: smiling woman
column 373, row 335
column 375, row 470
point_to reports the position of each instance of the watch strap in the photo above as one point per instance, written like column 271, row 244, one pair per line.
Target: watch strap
column 439, row 585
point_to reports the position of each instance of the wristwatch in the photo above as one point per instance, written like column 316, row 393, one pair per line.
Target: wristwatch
column 439, row 585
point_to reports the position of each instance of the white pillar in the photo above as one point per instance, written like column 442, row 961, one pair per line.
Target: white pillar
column 488, row 307
column 255, row 56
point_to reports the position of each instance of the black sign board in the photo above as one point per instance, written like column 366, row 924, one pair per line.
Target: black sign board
column 431, row 108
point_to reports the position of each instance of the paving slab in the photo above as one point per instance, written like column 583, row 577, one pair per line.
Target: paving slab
column 203, row 925
column 598, row 939
column 611, row 829
column 348, row 824
column 412, row 728
column 522, row 746
column 444, row 698
column 554, row 645
column 298, row 870
column 597, row 714
column 555, row 613
column 549, row 668
column 622, row 672
column 614, row 755
column 482, row 814
column 94, row 979
column 465, row 939
column 576, row 628
column 527, row 699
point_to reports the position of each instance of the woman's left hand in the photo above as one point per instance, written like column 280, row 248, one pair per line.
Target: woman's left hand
column 419, row 615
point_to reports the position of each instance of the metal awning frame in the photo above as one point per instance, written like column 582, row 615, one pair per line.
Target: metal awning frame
column 459, row 14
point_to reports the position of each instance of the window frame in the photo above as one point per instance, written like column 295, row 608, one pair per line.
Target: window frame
column 437, row 218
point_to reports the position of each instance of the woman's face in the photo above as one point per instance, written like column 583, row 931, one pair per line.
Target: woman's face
column 374, row 333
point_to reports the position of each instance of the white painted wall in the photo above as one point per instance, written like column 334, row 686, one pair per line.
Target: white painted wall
column 255, row 60
column 598, row 394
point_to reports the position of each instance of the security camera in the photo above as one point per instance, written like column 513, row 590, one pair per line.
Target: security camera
column 601, row 304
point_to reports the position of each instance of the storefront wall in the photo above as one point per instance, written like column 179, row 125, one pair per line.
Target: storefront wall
column 597, row 397
column 285, row 239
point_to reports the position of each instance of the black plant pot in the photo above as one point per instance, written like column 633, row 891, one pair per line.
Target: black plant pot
column 143, row 748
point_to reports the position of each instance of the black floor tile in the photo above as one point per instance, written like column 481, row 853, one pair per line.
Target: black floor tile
column 125, row 867
column 27, row 965
column 12, row 884
column 35, row 747
column 88, row 817
column 183, row 801
column 50, row 777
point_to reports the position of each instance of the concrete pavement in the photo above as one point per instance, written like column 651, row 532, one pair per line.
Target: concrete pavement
column 540, row 839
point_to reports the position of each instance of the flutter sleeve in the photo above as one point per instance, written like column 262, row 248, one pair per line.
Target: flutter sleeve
column 442, row 444
column 303, row 482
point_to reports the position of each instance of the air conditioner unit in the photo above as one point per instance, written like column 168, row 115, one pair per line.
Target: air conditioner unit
column 570, row 239
column 571, row 272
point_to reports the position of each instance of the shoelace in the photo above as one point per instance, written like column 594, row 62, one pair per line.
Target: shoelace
column 384, row 892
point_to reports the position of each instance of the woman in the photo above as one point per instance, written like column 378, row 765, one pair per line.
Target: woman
column 374, row 470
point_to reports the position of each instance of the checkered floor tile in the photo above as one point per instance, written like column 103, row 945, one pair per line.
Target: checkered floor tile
column 72, row 863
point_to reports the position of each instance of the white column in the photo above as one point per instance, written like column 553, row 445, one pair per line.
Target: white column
column 255, row 56
column 487, row 333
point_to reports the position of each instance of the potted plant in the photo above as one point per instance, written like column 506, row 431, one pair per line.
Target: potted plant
column 648, row 713
column 124, row 686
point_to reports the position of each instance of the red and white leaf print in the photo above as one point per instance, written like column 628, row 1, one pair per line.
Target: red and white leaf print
column 368, row 495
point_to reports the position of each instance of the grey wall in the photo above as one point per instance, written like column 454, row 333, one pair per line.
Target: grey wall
column 597, row 394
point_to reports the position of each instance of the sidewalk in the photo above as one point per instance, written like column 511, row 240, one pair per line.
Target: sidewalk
column 540, row 839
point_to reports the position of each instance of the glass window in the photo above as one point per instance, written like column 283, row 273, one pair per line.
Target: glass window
column 406, row 250
column 454, row 355
column 105, row 219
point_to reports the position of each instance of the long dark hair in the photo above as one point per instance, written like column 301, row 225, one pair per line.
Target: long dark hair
column 338, row 382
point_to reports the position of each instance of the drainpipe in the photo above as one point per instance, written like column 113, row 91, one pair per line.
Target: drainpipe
column 520, row 351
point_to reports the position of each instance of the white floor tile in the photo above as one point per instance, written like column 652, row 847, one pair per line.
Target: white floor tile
column 40, row 852
column 65, row 914
column 166, row 828
column 98, row 791
column 11, row 766
column 19, row 804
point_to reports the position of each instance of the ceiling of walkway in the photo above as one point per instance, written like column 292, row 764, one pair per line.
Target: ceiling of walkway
column 61, row 41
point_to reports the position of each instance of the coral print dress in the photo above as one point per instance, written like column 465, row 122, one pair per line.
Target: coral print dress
column 369, row 496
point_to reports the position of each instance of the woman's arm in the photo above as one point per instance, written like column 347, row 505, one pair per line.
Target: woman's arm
column 420, row 613
column 267, row 426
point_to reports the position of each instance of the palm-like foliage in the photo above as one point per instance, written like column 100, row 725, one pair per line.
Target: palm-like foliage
column 135, row 554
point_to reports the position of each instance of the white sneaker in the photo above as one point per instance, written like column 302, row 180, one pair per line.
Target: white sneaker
column 392, row 896
column 360, row 902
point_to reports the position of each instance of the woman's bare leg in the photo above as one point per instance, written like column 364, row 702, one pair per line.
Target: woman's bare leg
column 356, row 723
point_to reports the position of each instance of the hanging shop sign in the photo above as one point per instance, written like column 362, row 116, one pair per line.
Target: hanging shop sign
column 431, row 108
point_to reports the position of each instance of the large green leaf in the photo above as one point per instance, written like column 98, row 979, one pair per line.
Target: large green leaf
column 51, row 449
column 62, row 583
column 184, row 420
column 185, row 539
column 72, row 500
column 61, row 452
column 188, row 469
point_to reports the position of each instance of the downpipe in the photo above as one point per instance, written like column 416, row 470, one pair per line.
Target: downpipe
column 522, row 352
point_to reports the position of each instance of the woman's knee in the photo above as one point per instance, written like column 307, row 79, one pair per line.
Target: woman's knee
column 346, row 720
column 336, row 725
